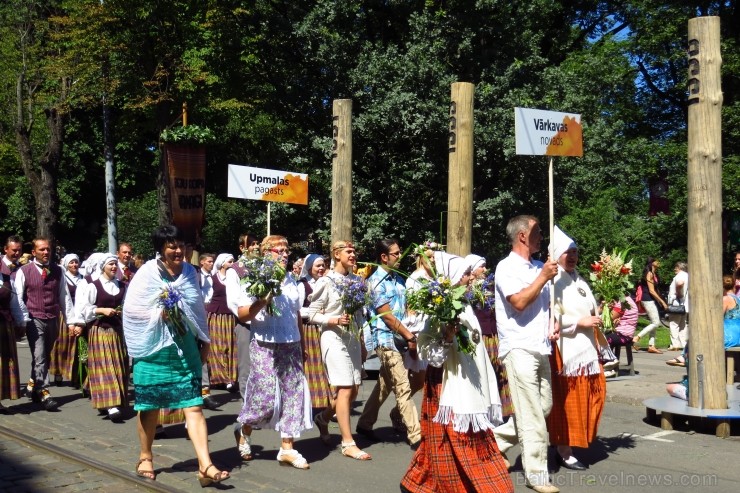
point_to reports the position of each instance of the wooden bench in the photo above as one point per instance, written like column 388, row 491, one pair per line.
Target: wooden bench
column 669, row 407
column 731, row 355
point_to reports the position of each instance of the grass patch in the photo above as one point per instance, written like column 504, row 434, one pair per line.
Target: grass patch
column 662, row 334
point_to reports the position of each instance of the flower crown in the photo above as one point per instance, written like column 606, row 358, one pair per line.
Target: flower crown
column 421, row 248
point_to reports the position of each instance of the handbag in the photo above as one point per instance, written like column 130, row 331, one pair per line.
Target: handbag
column 676, row 310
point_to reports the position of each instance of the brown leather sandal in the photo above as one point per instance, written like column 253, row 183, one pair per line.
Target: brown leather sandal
column 205, row 480
column 145, row 474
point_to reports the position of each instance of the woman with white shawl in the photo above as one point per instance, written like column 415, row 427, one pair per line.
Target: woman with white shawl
column 163, row 317
column 578, row 382
column 460, row 408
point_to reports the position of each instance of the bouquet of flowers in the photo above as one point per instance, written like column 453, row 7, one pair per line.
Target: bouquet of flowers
column 443, row 303
column 173, row 317
column 354, row 295
column 481, row 294
column 265, row 275
column 610, row 281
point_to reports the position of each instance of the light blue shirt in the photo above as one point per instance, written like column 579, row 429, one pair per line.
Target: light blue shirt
column 388, row 288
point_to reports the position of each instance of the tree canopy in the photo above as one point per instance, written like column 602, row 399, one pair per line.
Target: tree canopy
column 262, row 74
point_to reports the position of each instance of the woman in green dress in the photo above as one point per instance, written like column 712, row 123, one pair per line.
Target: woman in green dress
column 163, row 317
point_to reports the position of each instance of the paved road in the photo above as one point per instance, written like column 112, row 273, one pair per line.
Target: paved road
column 629, row 455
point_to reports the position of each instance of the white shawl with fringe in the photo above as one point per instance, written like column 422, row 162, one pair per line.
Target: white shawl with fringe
column 573, row 301
column 470, row 397
column 143, row 326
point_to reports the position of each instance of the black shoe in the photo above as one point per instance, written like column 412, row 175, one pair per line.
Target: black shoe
column 49, row 403
column 576, row 466
column 369, row 434
column 415, row 446
column 114, row 414
column 209, row 402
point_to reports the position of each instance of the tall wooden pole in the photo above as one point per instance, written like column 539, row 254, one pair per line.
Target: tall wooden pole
column 460, row 181
column 706, row 366
column 341, row 182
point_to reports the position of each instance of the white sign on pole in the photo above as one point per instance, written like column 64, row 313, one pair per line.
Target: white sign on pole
column 246, row 182
column 547, row 133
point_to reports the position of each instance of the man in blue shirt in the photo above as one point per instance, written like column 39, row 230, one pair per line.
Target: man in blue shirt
column 389, row 294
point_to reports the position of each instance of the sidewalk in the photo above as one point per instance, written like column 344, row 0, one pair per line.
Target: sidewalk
column 652, row 375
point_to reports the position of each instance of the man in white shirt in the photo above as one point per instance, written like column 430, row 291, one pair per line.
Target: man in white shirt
column 125, row 254
column 42, row 295
column 206, row 288
column 13, row 251
column 523, row 320
column 678, row 294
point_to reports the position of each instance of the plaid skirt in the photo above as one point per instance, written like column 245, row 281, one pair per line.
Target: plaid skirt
column 491, row 344
column 451, row 462
column 577, row 404
column 9, row 379
column 222, row 358
column 313, row 367
column 107, row 367
column 62, row 361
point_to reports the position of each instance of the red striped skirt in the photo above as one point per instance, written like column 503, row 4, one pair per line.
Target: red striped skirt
column 491, row 343
column 313, row 366
column 451, row 462
column 9, row 379
column 62, row 361
column 222, row 358
column 107, row 368
column 170, row 416
column 577, row 404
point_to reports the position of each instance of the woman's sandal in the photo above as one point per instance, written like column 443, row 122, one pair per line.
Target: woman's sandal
column 323, row 427
column 677, row 361
column 361, row 455
column 291, row 457
column 205, row 480
column 145, row 474
column 245, row 448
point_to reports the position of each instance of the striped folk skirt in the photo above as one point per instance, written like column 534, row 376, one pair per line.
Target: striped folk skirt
column 9, row 379
column 491, row 343
column 63, row 354
column 313, row 367
column 107, row 368
column 577, row 404
column 222, row 357
column 452, row 462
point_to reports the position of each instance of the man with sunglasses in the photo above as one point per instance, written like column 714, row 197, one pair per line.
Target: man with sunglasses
column 389, row 293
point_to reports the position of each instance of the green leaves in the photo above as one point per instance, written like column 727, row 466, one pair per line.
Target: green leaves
column 191, row 134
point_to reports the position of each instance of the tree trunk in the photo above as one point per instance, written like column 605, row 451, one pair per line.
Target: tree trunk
column 42, row 176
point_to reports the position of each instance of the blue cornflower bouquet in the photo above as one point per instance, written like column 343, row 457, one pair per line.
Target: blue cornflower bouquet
column 265, row 275
column 443, row 303
column 481, row 294
column 354, row 295
column 168, row 300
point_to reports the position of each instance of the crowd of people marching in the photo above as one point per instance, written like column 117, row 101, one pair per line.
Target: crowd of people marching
column 497, row 374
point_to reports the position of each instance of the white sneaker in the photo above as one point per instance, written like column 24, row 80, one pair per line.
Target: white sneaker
column 610, row 373
column 610, row 365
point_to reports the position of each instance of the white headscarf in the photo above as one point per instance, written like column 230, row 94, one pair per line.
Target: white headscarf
column 308, row 265
column 475, row 261
column 560, row 243
column 92, row 264
column 450, row 266
column 68, row 258
column 105, row 259
column 221, row 260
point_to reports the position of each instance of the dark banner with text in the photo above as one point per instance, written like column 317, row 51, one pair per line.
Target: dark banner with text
column 186, row 167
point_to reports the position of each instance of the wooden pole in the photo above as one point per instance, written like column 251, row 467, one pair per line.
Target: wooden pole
column 341, row 181
column 185, row 114
column 704, row 216
column 460, row 181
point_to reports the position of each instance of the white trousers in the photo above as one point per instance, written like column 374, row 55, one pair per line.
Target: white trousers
column 531, row 393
